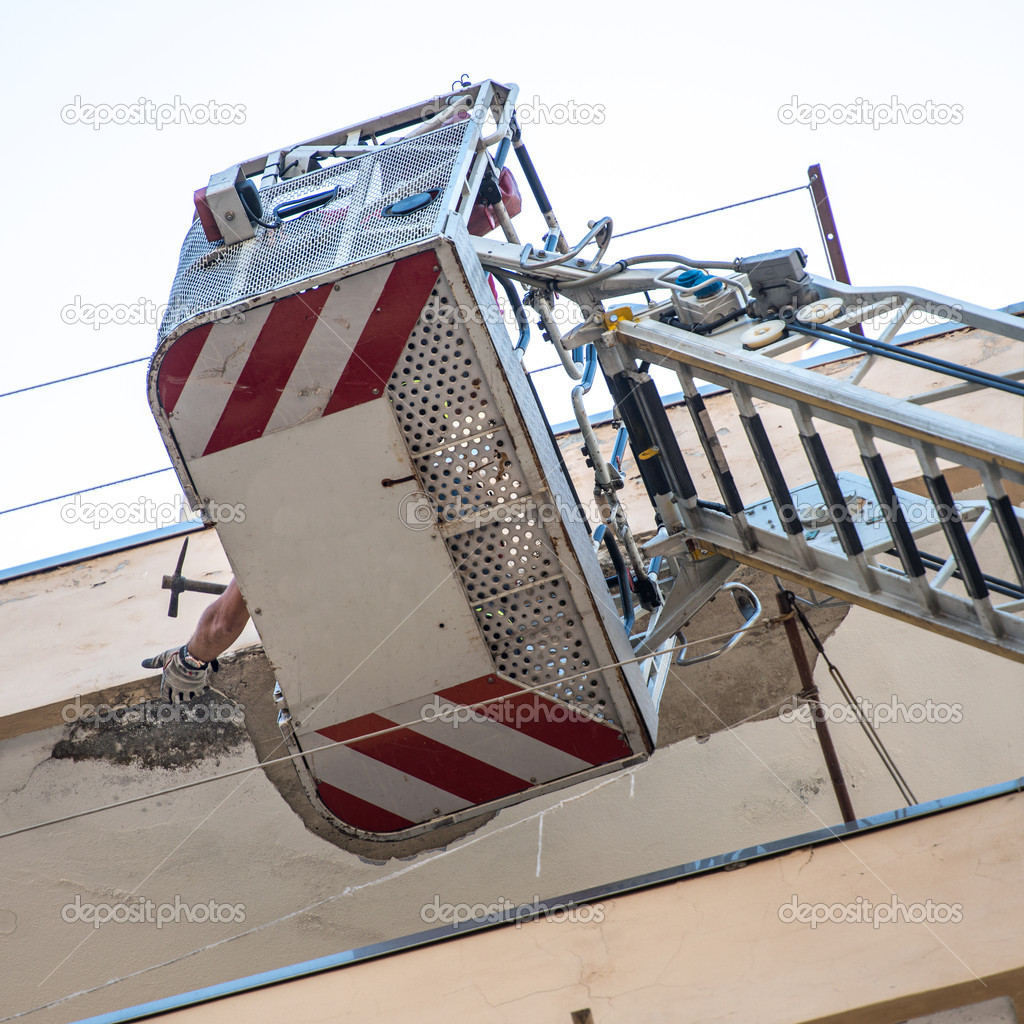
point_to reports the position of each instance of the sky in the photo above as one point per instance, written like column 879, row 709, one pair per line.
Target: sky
column 678, row 107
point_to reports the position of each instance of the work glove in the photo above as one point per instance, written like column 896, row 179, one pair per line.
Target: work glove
column 180, row 680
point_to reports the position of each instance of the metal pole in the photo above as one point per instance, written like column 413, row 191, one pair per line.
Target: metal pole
column 829, row 231
column 810, row 693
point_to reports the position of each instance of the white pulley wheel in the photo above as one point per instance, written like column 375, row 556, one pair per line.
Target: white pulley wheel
column 820, row 312
column 762, row 334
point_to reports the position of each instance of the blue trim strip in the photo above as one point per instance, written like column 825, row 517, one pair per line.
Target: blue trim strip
column 119, row 544
column 615, row 889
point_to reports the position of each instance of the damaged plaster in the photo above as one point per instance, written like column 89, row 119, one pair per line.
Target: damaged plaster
column 156, row 734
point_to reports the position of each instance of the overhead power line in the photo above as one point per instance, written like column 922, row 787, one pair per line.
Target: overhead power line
column 74, row 376
column 717, row 209
column 85, row 490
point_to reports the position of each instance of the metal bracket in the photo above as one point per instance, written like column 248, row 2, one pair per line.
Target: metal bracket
column 224, row 202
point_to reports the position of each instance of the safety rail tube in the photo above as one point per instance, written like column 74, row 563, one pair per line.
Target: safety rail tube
column 590, row 440
column 604, row 534
column 522, row 320
column 596, row 228
column 620, row 265
column 539, row 301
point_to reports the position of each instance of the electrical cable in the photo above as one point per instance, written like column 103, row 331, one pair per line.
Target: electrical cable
column 74, row 376
column 922, row 361
column 717, row 209
column 86, row 490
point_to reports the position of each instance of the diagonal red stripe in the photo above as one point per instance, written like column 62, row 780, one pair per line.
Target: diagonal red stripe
column 266, row 371
column 428, row 760
column 356, row 727
column 549, row 721
column 360, row 813
column 373, row 359
column 177, row 364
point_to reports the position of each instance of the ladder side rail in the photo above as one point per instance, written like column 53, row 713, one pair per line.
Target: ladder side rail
column 893, row 419
column 967, row 314
column 929, row 435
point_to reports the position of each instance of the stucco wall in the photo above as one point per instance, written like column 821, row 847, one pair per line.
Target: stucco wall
column 718, row 947
column 82, row 631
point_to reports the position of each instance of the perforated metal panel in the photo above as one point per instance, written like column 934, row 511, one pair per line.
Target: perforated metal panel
column 347, row 229
column 494, row 528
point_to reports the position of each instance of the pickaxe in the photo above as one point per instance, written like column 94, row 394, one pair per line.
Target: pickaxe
column 177, row 584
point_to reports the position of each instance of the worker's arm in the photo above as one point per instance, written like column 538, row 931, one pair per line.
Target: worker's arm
column 186, row 670
column 220, row 625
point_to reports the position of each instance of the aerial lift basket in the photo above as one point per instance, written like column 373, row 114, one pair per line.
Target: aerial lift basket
column 338, row 391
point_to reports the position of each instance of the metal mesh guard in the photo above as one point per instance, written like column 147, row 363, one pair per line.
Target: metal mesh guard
column 345, row 230
column 466, row 463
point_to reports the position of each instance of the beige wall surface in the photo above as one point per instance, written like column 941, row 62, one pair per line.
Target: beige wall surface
column 81, row 631
column 916, row 918
column 82, row 628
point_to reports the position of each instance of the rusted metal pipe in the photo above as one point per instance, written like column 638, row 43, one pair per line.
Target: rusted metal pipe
column 810, row 694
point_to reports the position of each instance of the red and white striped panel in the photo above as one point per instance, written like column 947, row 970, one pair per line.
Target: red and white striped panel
column 459, row 747
column 293, row 360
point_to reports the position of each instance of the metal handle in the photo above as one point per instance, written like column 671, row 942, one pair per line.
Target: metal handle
column 602, row 231
column 305, row 204
column 748, row 605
